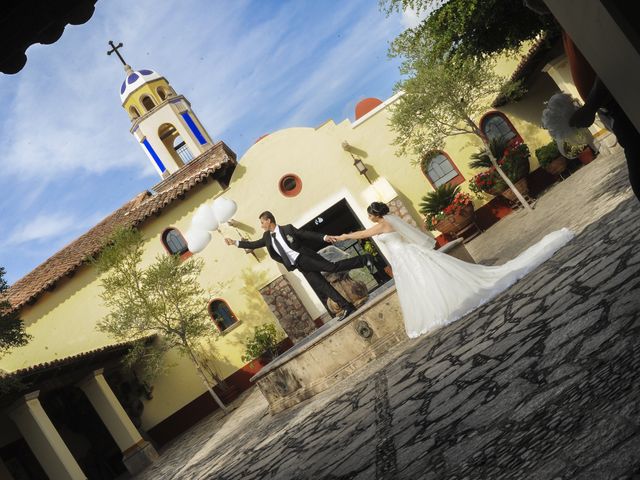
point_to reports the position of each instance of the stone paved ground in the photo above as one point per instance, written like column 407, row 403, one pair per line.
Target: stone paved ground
column 540, row 383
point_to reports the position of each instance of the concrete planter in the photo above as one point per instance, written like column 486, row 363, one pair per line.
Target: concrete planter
column 338, row 349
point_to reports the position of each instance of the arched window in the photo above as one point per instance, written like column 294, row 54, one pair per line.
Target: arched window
column 496, row 126
column 133, row 111
column 174, row 242
column 161, row 93
column 182, row 150
column 440, row 169
column 147, row 102
column 221, row 314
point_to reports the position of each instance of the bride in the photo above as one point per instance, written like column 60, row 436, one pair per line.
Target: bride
column 434, row 288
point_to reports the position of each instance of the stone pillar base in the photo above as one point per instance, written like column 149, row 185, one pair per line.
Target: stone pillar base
column 139, row 457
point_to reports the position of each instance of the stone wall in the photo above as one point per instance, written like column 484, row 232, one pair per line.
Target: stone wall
column 288, row 309
column 397, row 207
column 344, row 347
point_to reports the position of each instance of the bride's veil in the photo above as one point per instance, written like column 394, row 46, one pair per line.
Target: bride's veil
column 410, row 233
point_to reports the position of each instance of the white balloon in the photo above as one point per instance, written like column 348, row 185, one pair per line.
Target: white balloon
column 197, row 239
column 204, row 218
column 224, row 209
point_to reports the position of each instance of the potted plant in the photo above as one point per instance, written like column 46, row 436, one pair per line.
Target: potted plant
column 515, row 164
column 446, row 209
column 582, row 152
column 512, row 157
column 550, row 158
column 488, row 181
column 263, row 345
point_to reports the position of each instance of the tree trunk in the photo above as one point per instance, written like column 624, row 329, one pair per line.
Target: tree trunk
column 509, row 183
column 206, row 383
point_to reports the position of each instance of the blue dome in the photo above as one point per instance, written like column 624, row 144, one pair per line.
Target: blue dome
column 135, row 80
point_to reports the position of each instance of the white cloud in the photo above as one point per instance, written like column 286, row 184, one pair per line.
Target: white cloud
column 41, row 228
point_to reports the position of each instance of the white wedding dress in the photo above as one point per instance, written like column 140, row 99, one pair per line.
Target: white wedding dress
column 435, row 289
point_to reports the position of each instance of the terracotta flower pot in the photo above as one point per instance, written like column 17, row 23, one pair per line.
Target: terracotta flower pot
column 586, row 156
column 493, row 191
column 452, row 224
column 556, row 166
column 521, row 185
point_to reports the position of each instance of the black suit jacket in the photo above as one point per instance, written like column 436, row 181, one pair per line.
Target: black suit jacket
column 294, row 238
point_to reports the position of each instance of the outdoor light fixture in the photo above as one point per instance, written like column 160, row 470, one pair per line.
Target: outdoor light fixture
column 357, row 162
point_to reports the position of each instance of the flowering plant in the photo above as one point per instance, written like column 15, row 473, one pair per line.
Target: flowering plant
column 513, row 160
column 446, row 200
column 460, row 201
column 486, row 182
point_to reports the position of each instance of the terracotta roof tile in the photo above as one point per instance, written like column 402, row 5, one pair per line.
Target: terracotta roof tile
column 60, row 362
column 133, row 213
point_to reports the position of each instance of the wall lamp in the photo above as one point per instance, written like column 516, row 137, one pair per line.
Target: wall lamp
column 357, row 162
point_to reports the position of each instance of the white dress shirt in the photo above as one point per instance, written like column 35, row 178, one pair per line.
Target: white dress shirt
column 292, row 254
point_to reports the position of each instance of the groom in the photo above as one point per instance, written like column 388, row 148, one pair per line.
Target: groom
column 285, row 244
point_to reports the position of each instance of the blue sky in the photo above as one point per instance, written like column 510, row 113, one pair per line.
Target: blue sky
column 247, row 67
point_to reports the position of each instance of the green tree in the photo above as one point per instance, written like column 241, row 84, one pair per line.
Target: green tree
column 12, row 333
column 467, row 28
column 441, row 100
column 164, row 299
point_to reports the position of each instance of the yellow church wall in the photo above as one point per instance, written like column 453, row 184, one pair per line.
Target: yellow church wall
column 63, row 322
column 223, row 275
column 373, row 140
column 327, row 175
column 178, row 386
column 181, row 384
column 526, row 114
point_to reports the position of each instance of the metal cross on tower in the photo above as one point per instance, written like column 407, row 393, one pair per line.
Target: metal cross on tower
column 115, row 50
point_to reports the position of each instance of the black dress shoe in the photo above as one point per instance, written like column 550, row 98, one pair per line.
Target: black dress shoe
column 346, row 312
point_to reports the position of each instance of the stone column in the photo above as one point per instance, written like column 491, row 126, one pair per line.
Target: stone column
column 288, row 309
column 4, row 473
column 44, row 439
column 137, row 453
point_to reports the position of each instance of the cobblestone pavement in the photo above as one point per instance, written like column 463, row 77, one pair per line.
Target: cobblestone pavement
column 541, row 383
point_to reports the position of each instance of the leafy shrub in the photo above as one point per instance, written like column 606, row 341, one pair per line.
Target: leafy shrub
column 264, row 342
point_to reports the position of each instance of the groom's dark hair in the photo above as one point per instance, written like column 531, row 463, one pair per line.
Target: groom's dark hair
column 268, row 215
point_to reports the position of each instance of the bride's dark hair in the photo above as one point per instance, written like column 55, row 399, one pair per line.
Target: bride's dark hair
column 378, row 209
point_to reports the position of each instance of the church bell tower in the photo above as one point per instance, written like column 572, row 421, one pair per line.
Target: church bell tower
column 162, row 121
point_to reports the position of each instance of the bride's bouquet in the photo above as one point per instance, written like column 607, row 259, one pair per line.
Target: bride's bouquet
column 555, row 119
